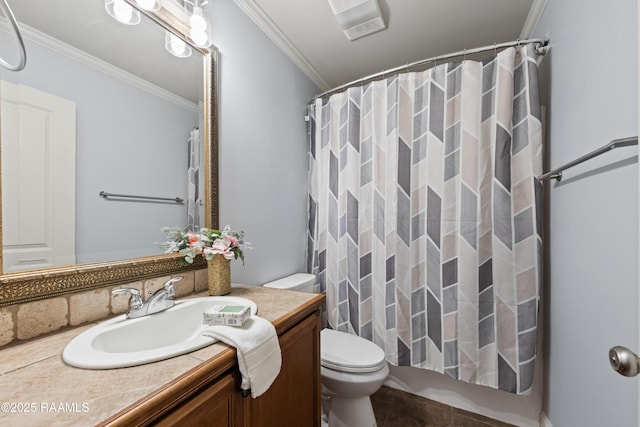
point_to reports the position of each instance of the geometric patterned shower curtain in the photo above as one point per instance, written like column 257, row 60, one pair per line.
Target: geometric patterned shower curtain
column 425, row 216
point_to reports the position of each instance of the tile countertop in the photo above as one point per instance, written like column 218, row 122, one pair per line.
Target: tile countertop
column 38, row 389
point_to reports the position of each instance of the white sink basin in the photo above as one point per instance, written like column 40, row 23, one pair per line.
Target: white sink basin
column 122, row 342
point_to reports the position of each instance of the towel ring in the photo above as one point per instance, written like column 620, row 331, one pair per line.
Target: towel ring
column 23, row 53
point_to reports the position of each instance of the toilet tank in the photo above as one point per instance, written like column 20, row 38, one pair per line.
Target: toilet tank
column 296, row 282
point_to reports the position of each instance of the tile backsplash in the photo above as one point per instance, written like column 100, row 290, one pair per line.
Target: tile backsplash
column 32, row 319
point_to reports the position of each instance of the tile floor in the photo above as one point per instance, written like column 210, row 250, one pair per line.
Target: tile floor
column 395, row 408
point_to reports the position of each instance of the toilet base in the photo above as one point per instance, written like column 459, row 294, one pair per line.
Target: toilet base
column 351, row 412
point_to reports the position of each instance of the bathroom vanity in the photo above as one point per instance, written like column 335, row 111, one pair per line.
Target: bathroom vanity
column 198, row 388
column 291, row 399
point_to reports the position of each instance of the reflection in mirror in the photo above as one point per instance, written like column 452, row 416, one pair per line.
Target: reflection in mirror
column 144, row 166
column 100, row 106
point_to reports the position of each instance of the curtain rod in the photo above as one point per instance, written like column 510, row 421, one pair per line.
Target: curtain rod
column 542, row 45
column 616, row 143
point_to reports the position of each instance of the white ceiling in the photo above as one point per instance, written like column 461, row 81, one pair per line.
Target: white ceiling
column 308, row 32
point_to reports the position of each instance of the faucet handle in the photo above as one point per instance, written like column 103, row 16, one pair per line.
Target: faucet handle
column 135, row 300
column 170, row 287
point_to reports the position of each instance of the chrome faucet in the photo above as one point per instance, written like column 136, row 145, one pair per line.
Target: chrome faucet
column 160, row 300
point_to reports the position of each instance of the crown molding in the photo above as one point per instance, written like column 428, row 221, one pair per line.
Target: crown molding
column 535, row 13
column 257, row 15
column 84, row 58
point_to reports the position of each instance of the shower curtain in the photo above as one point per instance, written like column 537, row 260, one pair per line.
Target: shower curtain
column 193, row 180
column 424, row 216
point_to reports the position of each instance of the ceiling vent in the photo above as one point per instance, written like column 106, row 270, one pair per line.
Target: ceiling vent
column 358, row 18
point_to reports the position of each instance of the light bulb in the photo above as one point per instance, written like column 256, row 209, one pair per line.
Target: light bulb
column 122, row 12
column 176, row 46
column 199, row 38
column 197, row 21
column 149, row 4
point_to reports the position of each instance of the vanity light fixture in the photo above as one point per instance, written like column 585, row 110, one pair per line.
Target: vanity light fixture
column 122, row 12
column 196, row 20
column 150, row 5
column 176, row 46
column 198, row 25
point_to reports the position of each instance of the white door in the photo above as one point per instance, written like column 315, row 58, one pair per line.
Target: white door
column 38, row 140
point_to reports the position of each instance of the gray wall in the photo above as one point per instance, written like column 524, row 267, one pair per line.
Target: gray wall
column 123, row 145
column 589, row 81
column 263, row 146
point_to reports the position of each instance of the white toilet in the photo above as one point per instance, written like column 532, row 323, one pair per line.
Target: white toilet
column 352, row 368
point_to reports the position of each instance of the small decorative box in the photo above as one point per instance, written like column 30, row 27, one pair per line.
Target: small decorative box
column 232, row 315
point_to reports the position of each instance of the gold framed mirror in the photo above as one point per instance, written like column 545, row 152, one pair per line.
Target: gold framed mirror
column 32, row 285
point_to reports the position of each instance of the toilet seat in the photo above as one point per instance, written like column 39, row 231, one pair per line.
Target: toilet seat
column 344, row 352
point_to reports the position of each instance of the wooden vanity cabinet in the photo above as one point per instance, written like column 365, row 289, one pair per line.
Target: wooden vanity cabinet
column 292, row 400
column 216, row 405
column 294, row 397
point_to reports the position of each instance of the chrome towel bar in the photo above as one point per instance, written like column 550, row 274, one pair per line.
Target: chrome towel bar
column 616, row 143
column 105, row 195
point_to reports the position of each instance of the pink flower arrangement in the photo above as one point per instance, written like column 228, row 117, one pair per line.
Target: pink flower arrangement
column 206, row 242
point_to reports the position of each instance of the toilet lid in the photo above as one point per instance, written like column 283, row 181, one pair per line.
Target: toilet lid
column 349, row 353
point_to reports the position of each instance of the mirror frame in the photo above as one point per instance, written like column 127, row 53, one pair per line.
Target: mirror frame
column 46, row 283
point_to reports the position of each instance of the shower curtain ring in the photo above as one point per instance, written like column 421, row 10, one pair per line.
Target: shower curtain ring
column 464, row 55
column 495, row 49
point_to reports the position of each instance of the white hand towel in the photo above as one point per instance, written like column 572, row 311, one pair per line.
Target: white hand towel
column 258, row 349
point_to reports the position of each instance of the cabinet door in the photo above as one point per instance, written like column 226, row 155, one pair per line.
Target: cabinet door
column 294, row 397
column 213, row 406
